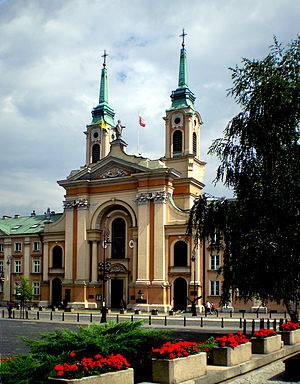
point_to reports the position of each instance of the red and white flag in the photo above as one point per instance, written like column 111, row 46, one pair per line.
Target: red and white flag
column 141, row 121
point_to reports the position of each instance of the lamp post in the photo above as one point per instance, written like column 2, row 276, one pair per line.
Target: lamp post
column 104, row 269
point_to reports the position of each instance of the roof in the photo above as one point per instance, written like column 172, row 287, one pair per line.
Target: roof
column 26, row 225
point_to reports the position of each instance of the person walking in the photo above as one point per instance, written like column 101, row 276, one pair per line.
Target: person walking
column 9, row 307
column 208, row 307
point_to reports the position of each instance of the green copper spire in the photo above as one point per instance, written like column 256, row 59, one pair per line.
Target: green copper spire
column 103, row 110
column 183, row 97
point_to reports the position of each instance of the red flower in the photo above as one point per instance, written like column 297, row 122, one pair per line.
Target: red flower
column 72, row 354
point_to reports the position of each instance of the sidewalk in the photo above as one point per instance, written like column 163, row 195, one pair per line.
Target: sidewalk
column 256, row 371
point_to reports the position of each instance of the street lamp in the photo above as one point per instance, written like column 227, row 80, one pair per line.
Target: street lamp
column 104, row 270
column 193, row 308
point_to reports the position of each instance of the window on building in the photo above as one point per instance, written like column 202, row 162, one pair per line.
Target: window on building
column 36, row 288
column 195, row 143
column 18, row 247
column 1, row 248
column 57, row 257
column 17, row 266
column 36, row 266
column 177, row 143
column 214, row 261
column 95, row 153
column 1, row 266
column 180, row 254
column 118, row 229
column 214, row 288
column 1, row 287
column 36, row 246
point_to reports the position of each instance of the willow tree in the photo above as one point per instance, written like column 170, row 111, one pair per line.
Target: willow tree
column 259, row 157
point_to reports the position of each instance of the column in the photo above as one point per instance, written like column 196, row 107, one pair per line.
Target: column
column 82, row 272
column 160, row 199
column 144, row 237
column 94, row 261
column 69, row 240
column 45, row 261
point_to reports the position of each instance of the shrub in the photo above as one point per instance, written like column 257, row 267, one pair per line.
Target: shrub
column 263, row 333
column 127, row 338
column 289, row 326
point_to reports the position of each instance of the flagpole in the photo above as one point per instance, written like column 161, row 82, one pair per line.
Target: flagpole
column 138, row 135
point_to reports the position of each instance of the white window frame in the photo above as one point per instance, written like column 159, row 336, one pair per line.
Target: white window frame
column 214, row 288
column 18, row 247
column 36, row 266
column 17, row 266
column 214, row 262
column 35, row 288
column 1, row 248
column 36, row 246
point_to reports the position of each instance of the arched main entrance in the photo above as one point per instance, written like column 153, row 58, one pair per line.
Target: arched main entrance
column 180, row 294
column 56, row 292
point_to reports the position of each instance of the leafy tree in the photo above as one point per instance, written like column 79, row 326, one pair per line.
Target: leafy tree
column 260, row 160
column 24, row 292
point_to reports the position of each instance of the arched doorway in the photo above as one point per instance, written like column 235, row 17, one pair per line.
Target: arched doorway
column 116, row 293
column 56, row 292
column 180, row 294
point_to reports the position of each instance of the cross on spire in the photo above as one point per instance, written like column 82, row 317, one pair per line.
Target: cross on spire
column 183, row 36
column 104, row 56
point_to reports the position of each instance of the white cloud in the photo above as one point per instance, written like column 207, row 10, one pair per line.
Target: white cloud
column 50, row 62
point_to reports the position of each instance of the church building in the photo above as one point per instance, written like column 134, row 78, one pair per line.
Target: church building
column 125, row 216
column 121, row 240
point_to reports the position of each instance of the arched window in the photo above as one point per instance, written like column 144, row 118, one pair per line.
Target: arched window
column 177, row 143
column 194, row 143
column 180, row 254
column 118, row 238
column 95, row 153
column 57, row 257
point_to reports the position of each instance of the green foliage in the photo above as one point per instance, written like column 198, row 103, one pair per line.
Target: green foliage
column 127, row 338
column 260, row 158
column 27, row 369
column 24, row 289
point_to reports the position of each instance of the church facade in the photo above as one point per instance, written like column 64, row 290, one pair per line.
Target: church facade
column 121, row 240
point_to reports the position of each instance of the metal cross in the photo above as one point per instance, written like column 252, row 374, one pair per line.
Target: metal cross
column 104, row 56
column 183, row 36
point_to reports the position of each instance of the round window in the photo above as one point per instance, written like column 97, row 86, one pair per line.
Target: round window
column 96, row 134
column 177, row 120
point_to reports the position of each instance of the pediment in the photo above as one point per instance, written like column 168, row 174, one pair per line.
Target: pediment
column 109, row 168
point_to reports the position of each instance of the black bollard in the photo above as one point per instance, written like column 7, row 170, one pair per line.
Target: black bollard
column 268, row 323
column 262, row 324
column 245, row 327
column 149, row 319
column 77, row 317
column 91, row 317
column 38, row 315
column 51, row 315
column 222, row 322
column 253, row 327
column 275, row 325
column 241, row 323
column 184, row 321
column 201, row 322
column 132, row 318
column 117, row 319
column 166, row 321
column 63, row 316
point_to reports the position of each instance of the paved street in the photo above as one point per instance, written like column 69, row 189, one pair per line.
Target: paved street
column 269, row 374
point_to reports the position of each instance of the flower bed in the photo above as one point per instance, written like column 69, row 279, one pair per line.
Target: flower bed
column 173, row 363
column 265, row 341
column 232, row 349
column 87, row 369
column 290, row 333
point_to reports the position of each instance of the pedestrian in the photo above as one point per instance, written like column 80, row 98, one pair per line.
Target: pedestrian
column 213, row 308
column 9, row 307
column 208, row 307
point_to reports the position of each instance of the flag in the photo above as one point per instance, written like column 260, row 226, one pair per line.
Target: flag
column 141, row 121
column 103, row 124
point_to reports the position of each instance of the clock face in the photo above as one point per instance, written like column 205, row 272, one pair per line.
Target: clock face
column 95, row 135
column 177, row 120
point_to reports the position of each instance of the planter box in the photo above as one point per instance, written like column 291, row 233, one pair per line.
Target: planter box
column 178, row 370
column 228, row 356
column 266, row 345
column 119, row 377
column 290, row 337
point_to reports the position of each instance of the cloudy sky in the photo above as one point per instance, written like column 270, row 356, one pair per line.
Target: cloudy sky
column 50, row 62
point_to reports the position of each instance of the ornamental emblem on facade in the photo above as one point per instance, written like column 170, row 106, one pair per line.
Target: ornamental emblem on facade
column 114, row 172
